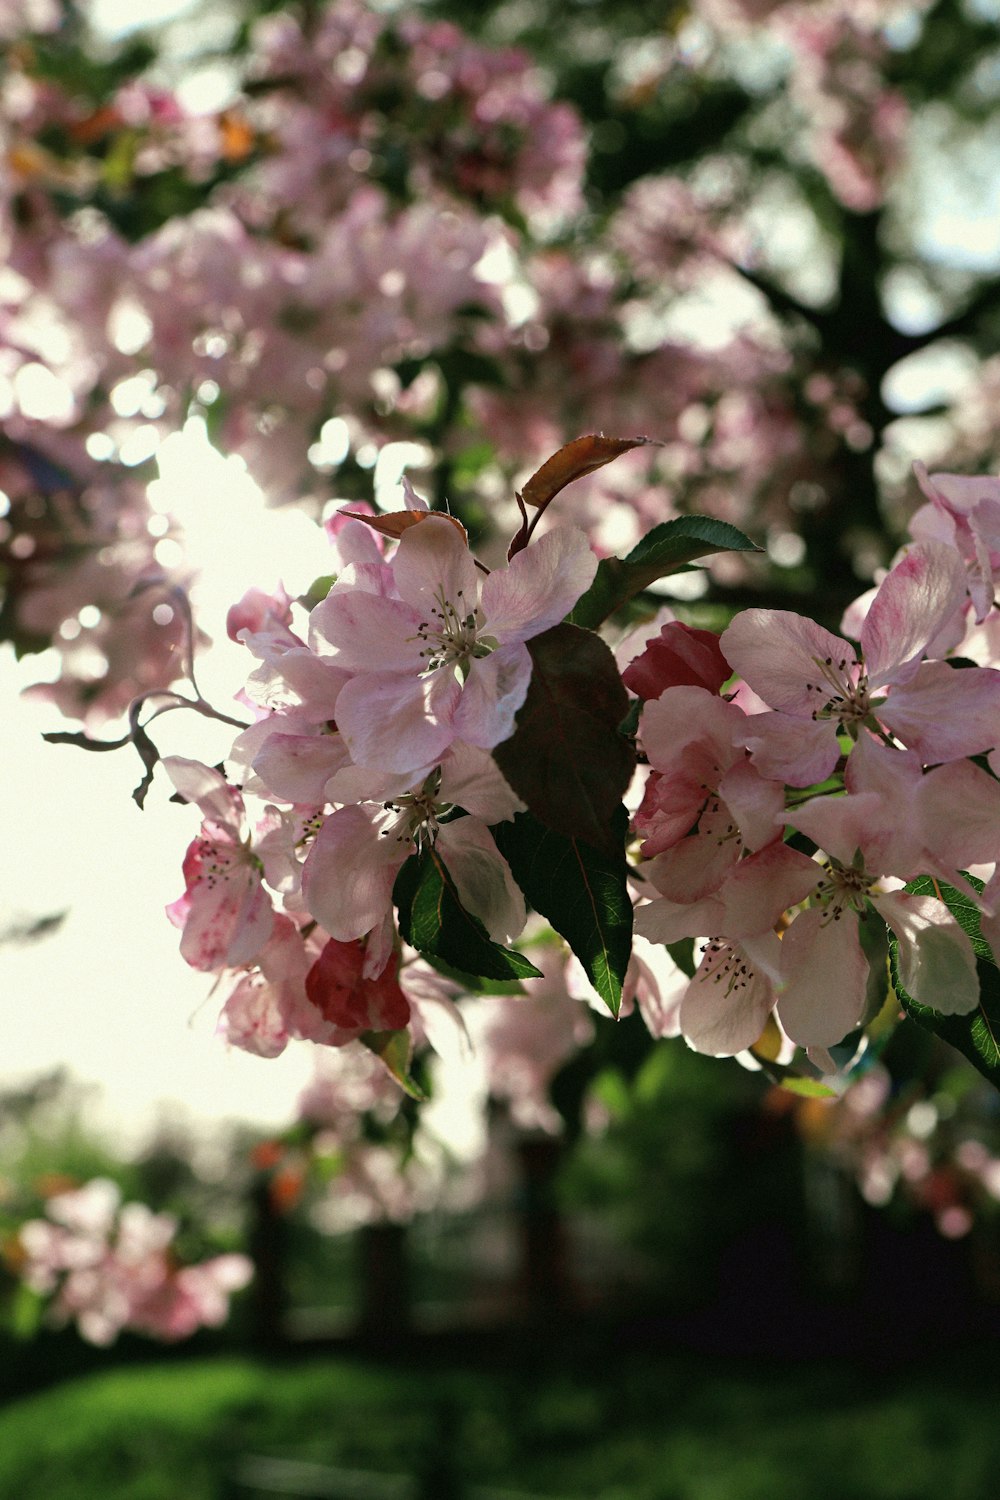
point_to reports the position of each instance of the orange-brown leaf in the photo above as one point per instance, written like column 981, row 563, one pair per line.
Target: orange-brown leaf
column 397, row 521
column 582, row 456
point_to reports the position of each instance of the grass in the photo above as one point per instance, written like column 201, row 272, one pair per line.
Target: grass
column 638, row 1428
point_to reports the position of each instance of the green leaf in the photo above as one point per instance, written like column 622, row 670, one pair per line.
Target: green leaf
column 26, row 1312
column 976, row 1035
column 664, row 550
column 317, row 590
column 475, row 984
column 395, row 1048
column 581, row 891
column 807, row 1088
column 433, row 920
column 567, row 759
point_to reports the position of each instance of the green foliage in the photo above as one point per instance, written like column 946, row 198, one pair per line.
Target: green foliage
column 677, row 1134
column 27, row 1308
column 582, row 892
column 566, row 758
column 976, row 1035
column 395, row 1048
column 666, row 549
column 434, row 921
column 640, row 1426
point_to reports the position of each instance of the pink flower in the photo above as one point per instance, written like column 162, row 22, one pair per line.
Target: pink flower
column 818, row 688
column 348, row 1000
column 704, row 802
column 825, row 970
column 964, row 511
column 193, row 1297
column 444, row 658
column 258, row 611
column 952, row 815
column 350, row 871
column 739, row 980
column 111, row 1267
column 727, row 1004
column 268, row 1006
column 678, row 656
column 225, row 912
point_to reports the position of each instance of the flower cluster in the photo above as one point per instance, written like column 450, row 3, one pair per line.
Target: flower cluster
column 371, row 745
column 109, row 1266
column 441, row 748
column 866, row 754
column 933, row 1150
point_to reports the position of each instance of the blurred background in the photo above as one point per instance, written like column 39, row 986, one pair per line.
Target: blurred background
column 259, row 260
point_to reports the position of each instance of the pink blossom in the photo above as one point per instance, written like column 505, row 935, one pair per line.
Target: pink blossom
column 825, row 971
column 351, row 868
column 741, row 973
column 191, row 1298
column 348, row 1000
column 728, row 1002
column 111, row 1267
column 704, row 802
column 964, row 511
column 952, row 815
column 267, row 1007
column 444, row 659
column 258, row 611
column 678, row 656
column 818, row 687
column 225, row 912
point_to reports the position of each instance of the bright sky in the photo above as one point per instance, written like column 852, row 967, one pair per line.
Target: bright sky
column 108, row 994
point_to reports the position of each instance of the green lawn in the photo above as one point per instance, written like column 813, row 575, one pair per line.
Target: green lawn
column 641, row 1428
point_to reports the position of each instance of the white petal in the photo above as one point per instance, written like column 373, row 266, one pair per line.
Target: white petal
column 432, row 564
column 937, row 965
column 368, row 633
column 482, row 877
column 252, row 1019
column 296, row 767
column 826, row 978
column 776, row 653
column 394, row 721
column 727, row 1003
column 792, row 750
column 471, row 778
column 349, row 874
column 944, row 714
column 915, row 600
column 663, row 921
column 495, row 689
column 208, row 790
column 539, row 586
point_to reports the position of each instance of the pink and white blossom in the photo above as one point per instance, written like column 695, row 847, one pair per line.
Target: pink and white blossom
column 444, row 657
column 225, row 913
column 111, row 1266
column 818, row 688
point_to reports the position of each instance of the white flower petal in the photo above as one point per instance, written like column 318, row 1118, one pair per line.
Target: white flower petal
column 539, row 586
column 482, row 877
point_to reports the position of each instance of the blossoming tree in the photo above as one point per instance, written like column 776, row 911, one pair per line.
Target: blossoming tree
column 482, row 726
